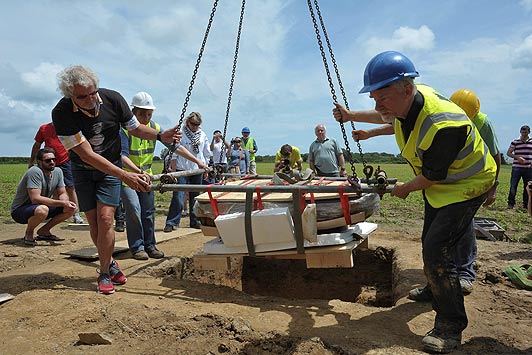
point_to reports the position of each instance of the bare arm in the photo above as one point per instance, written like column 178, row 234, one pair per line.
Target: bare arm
column 62, row 201
column 34, row 150
column 171, row 135
column 341, row 164
column 511, row 154
column 384, row 130
column 402, row 190
column 341, row 114
column 182, row 151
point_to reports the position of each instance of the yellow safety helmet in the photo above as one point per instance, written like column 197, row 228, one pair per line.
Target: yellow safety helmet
column 468, row 101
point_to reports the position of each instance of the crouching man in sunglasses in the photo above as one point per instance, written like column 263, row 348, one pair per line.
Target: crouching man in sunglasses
column 41, row 196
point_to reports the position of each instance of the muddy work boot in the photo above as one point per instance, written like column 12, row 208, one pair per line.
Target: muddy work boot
column 421, row 294
column 467, row 286
column 119, row 226
column 441, row 342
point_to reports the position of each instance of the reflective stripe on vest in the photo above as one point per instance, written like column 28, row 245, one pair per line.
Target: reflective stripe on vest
column 471, row 174
column 141, row 151
column 249, row 145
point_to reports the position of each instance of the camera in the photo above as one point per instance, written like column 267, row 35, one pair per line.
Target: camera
column 286, row 162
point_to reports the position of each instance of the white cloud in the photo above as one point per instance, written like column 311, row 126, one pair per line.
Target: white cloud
column 403, row 39
column 527, row 4
column 523, row 53
column 43, row 77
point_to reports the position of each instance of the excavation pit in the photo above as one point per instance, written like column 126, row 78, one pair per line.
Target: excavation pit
column 369, row 282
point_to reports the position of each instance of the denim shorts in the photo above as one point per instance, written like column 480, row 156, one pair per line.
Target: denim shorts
column 67, row 173
column 25, row 212
column 93, row 186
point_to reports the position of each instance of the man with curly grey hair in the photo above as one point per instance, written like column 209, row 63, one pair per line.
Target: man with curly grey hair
column 88, row 121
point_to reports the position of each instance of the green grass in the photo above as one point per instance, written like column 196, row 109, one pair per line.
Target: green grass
column 393, row 210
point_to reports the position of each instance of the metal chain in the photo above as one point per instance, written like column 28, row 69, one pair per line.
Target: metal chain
column 191, row 85
column 233, row 72
column 341, row 86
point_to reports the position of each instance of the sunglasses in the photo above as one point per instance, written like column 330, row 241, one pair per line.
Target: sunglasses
column 83, row 97
column 49, row 160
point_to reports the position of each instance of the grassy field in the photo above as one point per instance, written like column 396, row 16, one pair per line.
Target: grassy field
column 393, row 210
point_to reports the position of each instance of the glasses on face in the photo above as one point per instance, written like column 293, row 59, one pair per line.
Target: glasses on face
column 83, row 97
column 49, row 160
column 194, row 124
column 238, row 141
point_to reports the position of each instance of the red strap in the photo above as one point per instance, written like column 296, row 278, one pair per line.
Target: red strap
column 344, row 201
column 258, row 201
column 312, row 198
column 302, row 200
column 214, row 203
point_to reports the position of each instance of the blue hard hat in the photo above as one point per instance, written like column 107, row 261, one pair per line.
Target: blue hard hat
column 245, row 130
column 385, row 68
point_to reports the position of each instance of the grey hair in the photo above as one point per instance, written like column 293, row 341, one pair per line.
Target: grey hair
column 318, row 125
column 76, row 75
column 404, row 82
column 194, row 117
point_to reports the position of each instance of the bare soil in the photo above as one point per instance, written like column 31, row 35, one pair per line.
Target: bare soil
column 167, row 307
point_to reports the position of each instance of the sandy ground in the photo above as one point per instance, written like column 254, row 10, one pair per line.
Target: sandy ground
column 164, row 309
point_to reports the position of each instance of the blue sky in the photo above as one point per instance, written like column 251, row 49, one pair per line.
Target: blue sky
column 280, row 91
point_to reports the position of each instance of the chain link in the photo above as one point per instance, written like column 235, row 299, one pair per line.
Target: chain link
column 233, row 72
column 191, row 85
column 350, row 158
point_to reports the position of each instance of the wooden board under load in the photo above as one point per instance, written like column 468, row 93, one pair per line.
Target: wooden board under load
column 328, row 206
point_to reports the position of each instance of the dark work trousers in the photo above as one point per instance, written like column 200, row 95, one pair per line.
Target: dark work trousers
column 442, row 230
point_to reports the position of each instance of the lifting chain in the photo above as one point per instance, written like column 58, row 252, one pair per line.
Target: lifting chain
column 218, row 172
column 191, row 85
column 368, row 170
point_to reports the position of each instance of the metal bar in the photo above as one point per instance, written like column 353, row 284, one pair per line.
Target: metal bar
column 177, row 174
column 298, row 222
column 268, row 188
column 247, row 223
column 325, row 178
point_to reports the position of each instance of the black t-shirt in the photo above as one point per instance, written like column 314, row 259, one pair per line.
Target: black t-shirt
column 102, row 132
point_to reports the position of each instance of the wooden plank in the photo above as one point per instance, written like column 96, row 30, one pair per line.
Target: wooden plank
column 91, row 253
column 336, row 259
column 212, row 262
column 210, row 231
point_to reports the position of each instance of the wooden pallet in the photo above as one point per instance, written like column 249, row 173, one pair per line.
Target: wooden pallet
column 336, row 256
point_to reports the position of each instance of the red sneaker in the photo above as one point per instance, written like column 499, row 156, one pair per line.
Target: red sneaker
column 117, row 276
column 105, row 285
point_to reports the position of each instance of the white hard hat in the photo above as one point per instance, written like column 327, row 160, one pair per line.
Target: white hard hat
column 142, row 100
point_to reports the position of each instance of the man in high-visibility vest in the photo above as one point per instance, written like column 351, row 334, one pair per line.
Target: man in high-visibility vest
column 452, row 168
column 249, row 144
column 137, row 157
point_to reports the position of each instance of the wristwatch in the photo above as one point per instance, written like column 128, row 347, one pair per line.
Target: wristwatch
column 496, row 183
column 159, row 136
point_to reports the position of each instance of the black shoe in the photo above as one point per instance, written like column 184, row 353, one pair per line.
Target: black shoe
column 168, row 228
column 119, row 226
column 155, row 254
column 441, row 342
column 196, row 226
column 421, row 294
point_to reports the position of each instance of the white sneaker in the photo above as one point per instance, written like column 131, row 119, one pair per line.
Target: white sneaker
column 77, row 219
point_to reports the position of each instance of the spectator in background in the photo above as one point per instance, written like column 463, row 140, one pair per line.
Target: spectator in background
column 238, row 157
column 33, row 202
column 220, row 149
column 46, row 134
column 287, row 158
column 249, row 144
column 325, row 155
column 196, row 142
column 521, row 151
